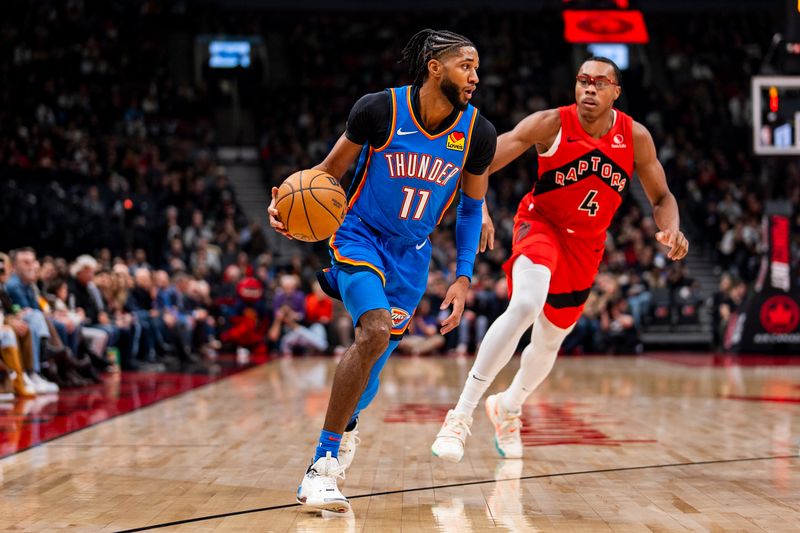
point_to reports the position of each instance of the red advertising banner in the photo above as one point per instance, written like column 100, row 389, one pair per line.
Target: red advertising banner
column 605, row 27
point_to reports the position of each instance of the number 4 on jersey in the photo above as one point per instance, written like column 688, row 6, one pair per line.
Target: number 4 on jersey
column 589, row 205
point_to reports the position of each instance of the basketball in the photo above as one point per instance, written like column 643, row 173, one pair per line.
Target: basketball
column 311, row 205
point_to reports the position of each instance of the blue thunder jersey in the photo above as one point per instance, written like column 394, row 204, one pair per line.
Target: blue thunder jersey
column 403, row 188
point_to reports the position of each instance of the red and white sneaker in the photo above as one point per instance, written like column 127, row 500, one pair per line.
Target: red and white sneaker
column 449, row 443
column 507, row 425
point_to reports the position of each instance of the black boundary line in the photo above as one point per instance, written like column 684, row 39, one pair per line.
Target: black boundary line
column 463, row 484
column 12, row 454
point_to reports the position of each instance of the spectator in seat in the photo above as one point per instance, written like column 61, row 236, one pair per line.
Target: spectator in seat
column 313, row 333
column 14, row 319
column 196, row 231
column 620, row 329
column 92, row 342
column 21, row 288
column 248, row 320
column 88, row 301
column 716, row 301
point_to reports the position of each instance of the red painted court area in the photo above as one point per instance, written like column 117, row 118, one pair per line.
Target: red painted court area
column 543, row 423
column 30, row 422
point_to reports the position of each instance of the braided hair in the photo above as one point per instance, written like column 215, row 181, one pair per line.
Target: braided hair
column 430, row 44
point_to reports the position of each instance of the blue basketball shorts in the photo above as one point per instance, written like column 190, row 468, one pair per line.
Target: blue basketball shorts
column 374, row 271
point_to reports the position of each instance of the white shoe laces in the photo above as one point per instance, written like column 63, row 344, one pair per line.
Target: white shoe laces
column 328, row 481
column 451, row 426
column 350, row 440
column 329, row 476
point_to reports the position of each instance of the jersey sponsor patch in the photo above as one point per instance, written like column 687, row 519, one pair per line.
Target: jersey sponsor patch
column 455, row 141
column 619, row 141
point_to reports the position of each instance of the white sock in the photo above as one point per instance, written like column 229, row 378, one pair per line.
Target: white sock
column 474, row 388
column 537, row 361
column 531, row 284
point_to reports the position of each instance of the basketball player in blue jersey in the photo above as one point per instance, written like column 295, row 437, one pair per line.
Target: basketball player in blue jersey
column 416, row 147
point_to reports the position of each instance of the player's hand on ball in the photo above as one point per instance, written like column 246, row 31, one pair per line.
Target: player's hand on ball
column 274, row 221
column 456, row 295
column 676, row 241
column 487, row 233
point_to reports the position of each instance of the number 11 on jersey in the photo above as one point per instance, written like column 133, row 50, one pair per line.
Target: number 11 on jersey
column 408, row 199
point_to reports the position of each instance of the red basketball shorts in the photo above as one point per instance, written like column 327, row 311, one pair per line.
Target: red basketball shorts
column 573, row 262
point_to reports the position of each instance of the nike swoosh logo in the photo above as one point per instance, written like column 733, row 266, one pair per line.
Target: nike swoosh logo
column 401, row 132
column 572, row 140
column 419, row 246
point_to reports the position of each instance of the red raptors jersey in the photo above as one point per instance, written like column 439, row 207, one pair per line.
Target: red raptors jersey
column 582, row 179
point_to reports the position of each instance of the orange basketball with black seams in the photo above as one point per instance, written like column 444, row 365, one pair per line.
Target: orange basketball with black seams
column 311, row 205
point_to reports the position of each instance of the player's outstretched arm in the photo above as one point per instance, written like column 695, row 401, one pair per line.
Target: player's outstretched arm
column 339, row 159
column 539, row 128
column 654, row 181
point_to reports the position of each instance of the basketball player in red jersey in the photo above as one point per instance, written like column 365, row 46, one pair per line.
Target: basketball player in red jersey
column 587, row 155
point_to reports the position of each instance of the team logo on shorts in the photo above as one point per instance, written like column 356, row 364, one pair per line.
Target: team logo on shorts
column 523, row 230
column 399, row 317
column 455, row 141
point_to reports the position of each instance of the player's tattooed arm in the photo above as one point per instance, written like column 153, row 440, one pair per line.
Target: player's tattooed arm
column 539, row 129
column 654, row 181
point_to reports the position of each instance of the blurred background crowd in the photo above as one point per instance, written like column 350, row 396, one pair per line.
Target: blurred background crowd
column 124, row 236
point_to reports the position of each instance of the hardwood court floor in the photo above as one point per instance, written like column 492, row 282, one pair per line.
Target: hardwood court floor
column 612, row 444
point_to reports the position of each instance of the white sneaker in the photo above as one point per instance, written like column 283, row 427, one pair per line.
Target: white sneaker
column 449, row 443
column 318, row 488
column 507, row 425
column 40, row 385
column 29, row 383
column 347, row 447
